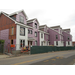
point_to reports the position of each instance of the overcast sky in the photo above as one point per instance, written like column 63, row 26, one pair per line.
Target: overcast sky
column 50, row 12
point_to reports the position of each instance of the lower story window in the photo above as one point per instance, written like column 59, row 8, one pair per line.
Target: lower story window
column 68, row 43
column 35, row 43
column 22, row 43
column 56, row 42
column 41, row 43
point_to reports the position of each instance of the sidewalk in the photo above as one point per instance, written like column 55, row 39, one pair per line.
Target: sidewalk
column 9, row 56
column 4, row 56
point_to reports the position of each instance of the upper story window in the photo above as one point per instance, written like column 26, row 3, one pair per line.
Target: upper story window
column 68, row 38
column 12, row 30
column 22, row 31
column 41, row 35
column 30, row 31
column 45, row 30
column 35, row 25
column 46, row 36
column 35, row 34
column 21, row 19
column 56, row 36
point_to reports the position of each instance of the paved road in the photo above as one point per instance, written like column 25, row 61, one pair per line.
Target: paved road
column 52, row 58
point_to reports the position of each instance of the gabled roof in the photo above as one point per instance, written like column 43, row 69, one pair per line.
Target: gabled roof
column 7, row 15
column 55, row 26
column 42, row 26
column 15, row 13
column 66, row 29
column 32, row 20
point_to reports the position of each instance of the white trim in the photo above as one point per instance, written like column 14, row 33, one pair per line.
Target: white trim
column 41, row 39
column 60, row 43
column 32, row 20
column 54, row 30
column 54, row 27
column 67, row 33
column 19, row 12
column 41, row 27
column 19, row 37
column 43, row 31
column 23, row 25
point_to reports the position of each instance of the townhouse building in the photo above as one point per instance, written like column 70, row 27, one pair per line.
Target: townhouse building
column 17, row 29
column 67, row 37
column 60, row 37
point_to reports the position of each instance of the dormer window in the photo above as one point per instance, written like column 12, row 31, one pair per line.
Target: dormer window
column 35, row 25
column 21, row 19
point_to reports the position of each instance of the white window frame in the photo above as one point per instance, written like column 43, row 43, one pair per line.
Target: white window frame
column 57, row 43
column 46, row 36
column 41, row 35
column 41, row 43
column 22, row 31
column 35, row 34
column 21, row 19
column 35, row 43
column 35, row 25
column 22, row 42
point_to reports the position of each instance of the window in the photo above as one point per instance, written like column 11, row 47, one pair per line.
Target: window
column 30, row 32
column 45, row 30
column 21, row 19
column 47, row 43
column 56, row 36
column 22, row 31
column 41, row 35
column 68, row 43
column 11, row 41
column 68, row 38
column 22, row 43
column 35, row 25
column 56, row 42
column 41, row 43
column 12, row 30
column 35, row 43
column 35, row 34
column 46, row 36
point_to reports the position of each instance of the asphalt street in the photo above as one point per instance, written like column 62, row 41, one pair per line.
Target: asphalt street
column 51, row 58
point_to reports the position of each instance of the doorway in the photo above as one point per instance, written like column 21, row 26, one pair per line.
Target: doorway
column 29, row 43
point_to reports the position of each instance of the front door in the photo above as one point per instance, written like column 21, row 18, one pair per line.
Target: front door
column 29, row 43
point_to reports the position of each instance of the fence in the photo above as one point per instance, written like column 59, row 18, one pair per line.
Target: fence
column 6, row 48
column 1, row 48
column 45, row 49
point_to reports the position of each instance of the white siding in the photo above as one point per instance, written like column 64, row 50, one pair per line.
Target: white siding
column 41, row 39
column 60, row 43
column 70, row 43
column 18, row 37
